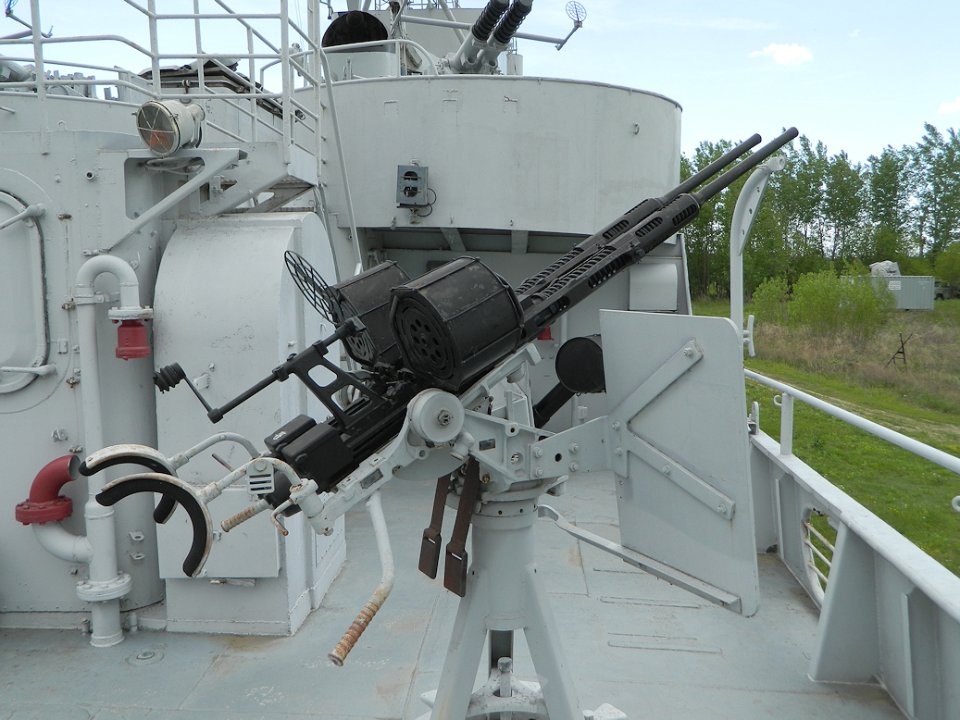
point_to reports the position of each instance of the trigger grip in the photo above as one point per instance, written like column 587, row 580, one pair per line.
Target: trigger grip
column 177, row 491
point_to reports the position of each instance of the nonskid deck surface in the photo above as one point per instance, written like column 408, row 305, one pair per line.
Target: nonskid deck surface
column 630, row 640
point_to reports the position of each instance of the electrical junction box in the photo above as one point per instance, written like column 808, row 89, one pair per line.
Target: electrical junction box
column 412, row 186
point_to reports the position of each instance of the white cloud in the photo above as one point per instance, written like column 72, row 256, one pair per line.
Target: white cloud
column 950, row 107
column 782, row 54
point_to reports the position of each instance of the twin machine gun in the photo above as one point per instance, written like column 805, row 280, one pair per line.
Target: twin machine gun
column 440, row 393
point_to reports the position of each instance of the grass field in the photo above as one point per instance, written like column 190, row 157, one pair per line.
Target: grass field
column 921, row 399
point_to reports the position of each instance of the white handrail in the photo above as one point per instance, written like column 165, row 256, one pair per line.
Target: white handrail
column 944, row 460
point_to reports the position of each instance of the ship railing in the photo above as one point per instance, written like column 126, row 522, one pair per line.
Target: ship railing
column 413, row 4
column 395, row 52
column 885, row 605
column 266, row 115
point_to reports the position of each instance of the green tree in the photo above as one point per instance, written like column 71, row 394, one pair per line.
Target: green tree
column 948, row 265
column 800, row 196
column 707, row 236
column 843, row 206
column 937, row 182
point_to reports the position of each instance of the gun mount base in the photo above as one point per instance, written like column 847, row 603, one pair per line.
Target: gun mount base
column 505, row 594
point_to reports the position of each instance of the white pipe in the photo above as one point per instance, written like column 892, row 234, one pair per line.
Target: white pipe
column 347, row 196
column 183, row 458
column 744, row 213
column 61, row 543
column 387, row 571
column 112, row 265
column 105, row 623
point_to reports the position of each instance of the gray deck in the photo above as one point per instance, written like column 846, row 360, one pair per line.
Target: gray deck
column 631, row 640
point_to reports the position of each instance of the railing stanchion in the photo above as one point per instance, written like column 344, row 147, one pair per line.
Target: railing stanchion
column 786, row 424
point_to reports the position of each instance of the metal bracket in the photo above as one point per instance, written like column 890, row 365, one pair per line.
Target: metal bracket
column 322, row 510
column 676, row 366
column 215, row 162
column 679, row 475
column 647, row 564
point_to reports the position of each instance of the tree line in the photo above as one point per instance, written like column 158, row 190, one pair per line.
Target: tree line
column 825, row 212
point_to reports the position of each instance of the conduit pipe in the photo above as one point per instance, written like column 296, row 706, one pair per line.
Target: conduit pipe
column 106, row 584
column 46, row 507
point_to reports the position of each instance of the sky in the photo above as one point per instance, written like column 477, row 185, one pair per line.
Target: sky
column 855, row 75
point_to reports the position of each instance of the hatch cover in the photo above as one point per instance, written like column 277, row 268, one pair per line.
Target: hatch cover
column 23, row 317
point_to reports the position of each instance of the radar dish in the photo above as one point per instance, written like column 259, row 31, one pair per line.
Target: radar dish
column 576, row 12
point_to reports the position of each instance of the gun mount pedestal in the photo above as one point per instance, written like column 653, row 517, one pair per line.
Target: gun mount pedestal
column 505, row 594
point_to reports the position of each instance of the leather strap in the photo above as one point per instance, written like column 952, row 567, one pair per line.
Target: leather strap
column 455, row 565
column 430, row 544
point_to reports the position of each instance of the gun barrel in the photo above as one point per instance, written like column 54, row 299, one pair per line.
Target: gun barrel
column 468, row 56
column 629, row 219
column 595, row 267
column 742, row 168
column 510, row 22
column 489, row 16
column 716, row 166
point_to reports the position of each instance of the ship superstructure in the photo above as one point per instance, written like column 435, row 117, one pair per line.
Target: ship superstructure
column 145, row 218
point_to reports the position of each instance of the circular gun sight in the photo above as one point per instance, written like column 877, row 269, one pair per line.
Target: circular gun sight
column 365, row 297
column 576, row 12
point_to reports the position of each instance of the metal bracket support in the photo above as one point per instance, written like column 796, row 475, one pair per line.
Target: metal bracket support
column 676, row 366
column 676, row 473
column 647, row 564
column 215, row 162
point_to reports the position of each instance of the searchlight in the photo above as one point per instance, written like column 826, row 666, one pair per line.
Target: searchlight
column 169, row 125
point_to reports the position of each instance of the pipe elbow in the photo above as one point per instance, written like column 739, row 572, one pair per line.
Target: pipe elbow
column 112, row 265
column 60, row 543
column 45, row 504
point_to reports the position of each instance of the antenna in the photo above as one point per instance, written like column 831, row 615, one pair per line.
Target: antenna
column 8, row 12
column 577, row 13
